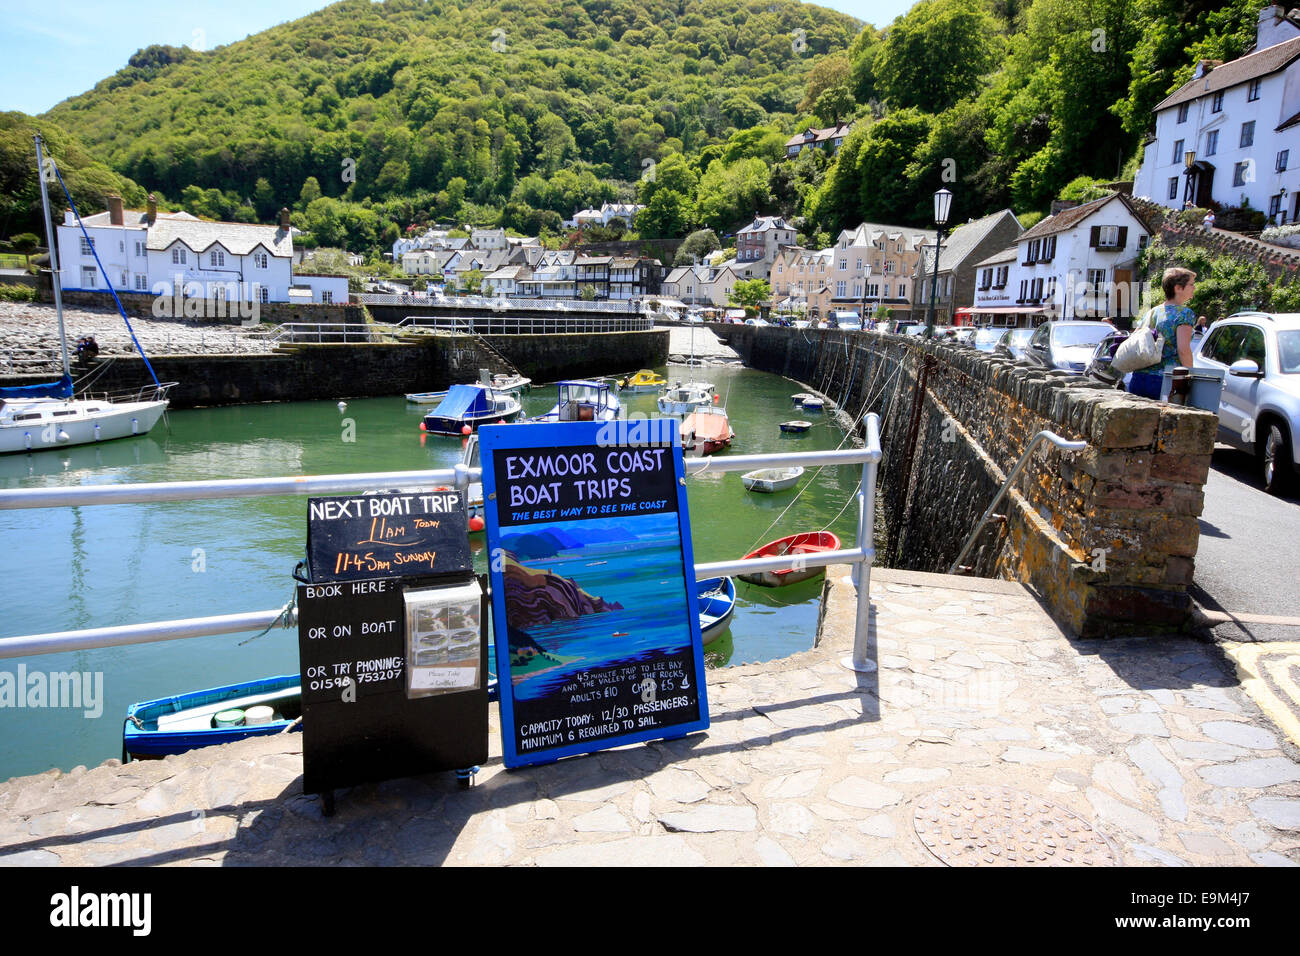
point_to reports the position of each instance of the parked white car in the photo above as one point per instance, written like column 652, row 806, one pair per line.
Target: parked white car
column 1259, row 410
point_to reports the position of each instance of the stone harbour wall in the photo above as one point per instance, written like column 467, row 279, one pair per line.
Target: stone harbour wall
column 419, row 363
column 1107, row 535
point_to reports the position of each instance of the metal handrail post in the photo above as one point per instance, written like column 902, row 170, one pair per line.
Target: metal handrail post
column 861, row 661
column 1062, row 443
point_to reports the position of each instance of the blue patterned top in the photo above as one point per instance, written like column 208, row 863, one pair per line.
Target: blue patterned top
column 1166, row 319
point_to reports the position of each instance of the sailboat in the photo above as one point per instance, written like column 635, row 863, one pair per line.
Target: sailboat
column 41, row 417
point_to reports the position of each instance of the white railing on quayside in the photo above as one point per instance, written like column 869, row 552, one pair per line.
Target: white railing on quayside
column 502, row 302
column 555, row 324
column 290, row 332
column 861, row 555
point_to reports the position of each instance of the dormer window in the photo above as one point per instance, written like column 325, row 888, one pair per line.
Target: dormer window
column 218, row 258
column 178, row 255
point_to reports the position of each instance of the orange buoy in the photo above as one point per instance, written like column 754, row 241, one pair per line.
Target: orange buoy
column 715, row 399
column 422, row 427
column 476, row 523
column 465, row 429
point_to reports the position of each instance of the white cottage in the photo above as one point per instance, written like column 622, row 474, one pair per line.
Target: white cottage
column 1231, row 134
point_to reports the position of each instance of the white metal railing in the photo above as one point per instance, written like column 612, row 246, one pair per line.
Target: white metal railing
column 290, row 332
column 556, row 324
column 498, row 303
column 861, row 555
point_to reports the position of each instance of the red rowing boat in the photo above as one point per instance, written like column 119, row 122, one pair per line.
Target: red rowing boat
column 810, row 542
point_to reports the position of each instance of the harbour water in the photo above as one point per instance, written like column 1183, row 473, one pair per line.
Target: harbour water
column 93, row 566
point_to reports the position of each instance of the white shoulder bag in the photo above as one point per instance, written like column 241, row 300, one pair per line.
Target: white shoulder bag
column 1142, row 348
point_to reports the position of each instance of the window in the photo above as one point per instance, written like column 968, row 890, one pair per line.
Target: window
column 1096, row 279
column 178, row 255
column 1239, row 173
column 1003, row 274
column 1274, row 206
column 839, row 289
column 1024, row 284
column 1282, row 158
column 88, row 277
column 859, row 266
column 259, row 260
column 264, row 294
column 1217, row 105
column 87, row 246
column 1211, row 142
column 1247, row 133
column 141, row 282
column 326, row 296
column 1178, row 151
column 1252, row 91
column 121, row 245
column 1108, row 237
column 902, row 290
column 1173, row 187
column 844, row 264
column 139, row 248
column 1049, row 249
column 218, row 258
column 1182, row 112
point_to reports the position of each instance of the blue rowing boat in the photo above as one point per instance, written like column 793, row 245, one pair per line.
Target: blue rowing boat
column 204, row 718
column 717, row 599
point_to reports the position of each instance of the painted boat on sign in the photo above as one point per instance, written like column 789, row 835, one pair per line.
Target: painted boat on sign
column 809, row 542
column 769, row 480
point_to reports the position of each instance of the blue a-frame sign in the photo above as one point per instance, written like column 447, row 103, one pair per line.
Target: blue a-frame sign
column 594, row 606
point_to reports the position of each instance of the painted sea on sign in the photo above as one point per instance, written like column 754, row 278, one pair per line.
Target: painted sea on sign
column 630, row 599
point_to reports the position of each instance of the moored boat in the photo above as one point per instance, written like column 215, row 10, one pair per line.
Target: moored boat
column 471, row 405
column 707, row 430
column 798, row 397
column 643, row 381
column 425, row 398
column 809, row 542
column 769, row 480
column 812, row 404
column 36, row 424
column 795, row 427
column 583, row 401
column 717, row 601
column 204, row 718
column 684, row 398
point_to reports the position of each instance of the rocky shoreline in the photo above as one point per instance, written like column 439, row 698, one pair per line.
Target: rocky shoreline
column 30, row 333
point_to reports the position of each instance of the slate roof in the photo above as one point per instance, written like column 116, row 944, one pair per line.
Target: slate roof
column 958, row 246
column 1069, row 218
column 133, row 218
column 1252, row 66
column 236, row 238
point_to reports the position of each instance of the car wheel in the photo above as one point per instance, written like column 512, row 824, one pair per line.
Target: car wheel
column 1276, row 463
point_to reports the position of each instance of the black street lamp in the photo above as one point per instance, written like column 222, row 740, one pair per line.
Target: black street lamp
column 1189, row 160
column 942, row 205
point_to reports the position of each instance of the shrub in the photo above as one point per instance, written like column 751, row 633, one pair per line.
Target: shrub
column 17, row 293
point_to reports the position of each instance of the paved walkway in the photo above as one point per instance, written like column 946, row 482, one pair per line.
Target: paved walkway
column 985, row 737
column 698, row 340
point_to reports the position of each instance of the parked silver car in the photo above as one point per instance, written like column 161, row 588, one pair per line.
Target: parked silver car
column 1013, row 343
column 986, row 339
column 1067, row 345
column 1259, row 410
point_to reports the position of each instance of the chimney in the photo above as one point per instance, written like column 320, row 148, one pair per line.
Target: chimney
column 152, row 214
column 115, row 210
column 284, row 219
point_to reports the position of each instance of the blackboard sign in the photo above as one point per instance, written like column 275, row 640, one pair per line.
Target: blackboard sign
column 394, row 679
column 593, row 587
column 354, row 636
column 368, row 536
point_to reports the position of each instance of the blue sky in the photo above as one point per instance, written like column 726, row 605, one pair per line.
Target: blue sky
column 59, row 48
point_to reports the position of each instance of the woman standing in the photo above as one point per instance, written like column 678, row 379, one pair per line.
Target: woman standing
column 1173, row 320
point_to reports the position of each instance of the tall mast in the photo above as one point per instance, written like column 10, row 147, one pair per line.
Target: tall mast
column 54, row 255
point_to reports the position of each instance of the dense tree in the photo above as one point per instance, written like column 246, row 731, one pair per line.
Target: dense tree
column 697, row 246
column 935, row 55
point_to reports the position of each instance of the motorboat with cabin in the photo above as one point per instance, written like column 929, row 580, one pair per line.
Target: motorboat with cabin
column 682, row 398
column 469, row 406
column 583, row 400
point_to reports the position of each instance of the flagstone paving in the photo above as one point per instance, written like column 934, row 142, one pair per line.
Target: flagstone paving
column 991, row 727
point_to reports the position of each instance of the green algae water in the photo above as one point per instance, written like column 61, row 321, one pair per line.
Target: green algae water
column 70, row 568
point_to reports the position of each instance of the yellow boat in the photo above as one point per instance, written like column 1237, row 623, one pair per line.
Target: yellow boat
column 643, row 381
